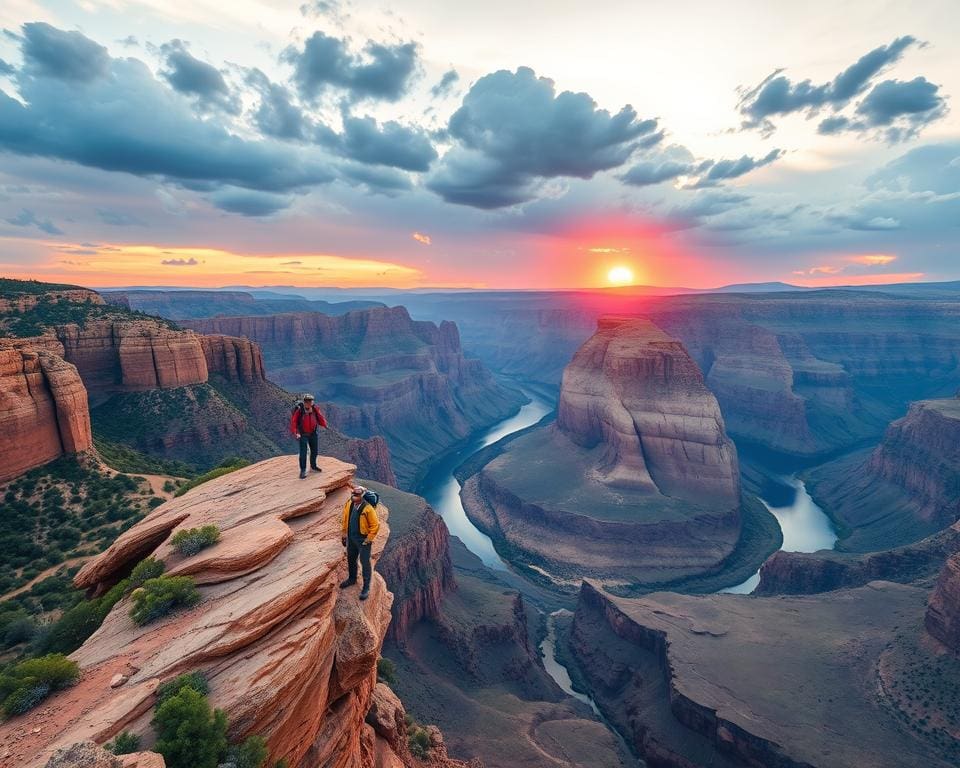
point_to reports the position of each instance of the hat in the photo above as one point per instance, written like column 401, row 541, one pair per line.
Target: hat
column 308, row 397
column 359, row 489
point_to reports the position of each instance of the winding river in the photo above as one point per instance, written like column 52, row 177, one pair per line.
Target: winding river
column 805, row 527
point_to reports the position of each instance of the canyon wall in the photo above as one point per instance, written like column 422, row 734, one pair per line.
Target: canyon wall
column 43, row 409
column 377, row 372
column 287, row 654
column 943, row 610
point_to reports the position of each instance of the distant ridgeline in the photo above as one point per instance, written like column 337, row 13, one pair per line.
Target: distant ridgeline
column 164, row 392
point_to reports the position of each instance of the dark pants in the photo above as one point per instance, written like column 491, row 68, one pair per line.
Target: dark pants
column 356, row 548
column 310, row 440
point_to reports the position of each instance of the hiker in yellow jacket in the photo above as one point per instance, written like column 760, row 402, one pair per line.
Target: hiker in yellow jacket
column 360, row 526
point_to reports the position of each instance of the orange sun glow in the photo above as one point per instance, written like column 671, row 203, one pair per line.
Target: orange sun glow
column 620, row 276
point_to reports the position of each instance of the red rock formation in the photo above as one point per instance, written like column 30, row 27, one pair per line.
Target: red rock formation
column 234, row 358
column 943, row 609
column 86, row 754
column 288, row 655
column 28, row 301
column 43, row 409
column 636, row 391
column 132, row 355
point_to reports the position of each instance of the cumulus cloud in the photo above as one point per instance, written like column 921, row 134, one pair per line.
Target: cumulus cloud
column 380, row 72
column 513, row 131
column 446, row 83
column 385, row 181
column 51, row 52
column 422, row 238
column 5, row 68
column 249, row 202
column 191, row 262
column 391, row 144
column 27, row 218
column 197, row 78
column 128, row 121
column 277, row 115
column 778, row 95
column 677, row 162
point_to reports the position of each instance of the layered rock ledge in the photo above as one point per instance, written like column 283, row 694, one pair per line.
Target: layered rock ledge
column 288, row 655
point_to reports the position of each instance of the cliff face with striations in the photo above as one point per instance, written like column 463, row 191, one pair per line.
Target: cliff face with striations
column 288, row 655
column 377, row 372
column 416, row 562
column 43, row 409
column 636, row 391
column 943, row 610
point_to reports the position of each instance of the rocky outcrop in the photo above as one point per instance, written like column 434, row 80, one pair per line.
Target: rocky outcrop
column 636, row 391
column 43, row 409
column 288, row 655
column 416, row 563
column 86, row 754
column 733, row 681
column 183, row 305
column 943, row 610
column 233, row 358
column 27, row 301
column 377, row 372
column 637, row 482
column 132, row 355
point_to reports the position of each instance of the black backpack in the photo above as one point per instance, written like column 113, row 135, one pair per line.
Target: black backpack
column 372, row 498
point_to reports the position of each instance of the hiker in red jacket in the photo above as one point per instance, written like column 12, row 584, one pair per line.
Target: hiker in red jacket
column 305, row 423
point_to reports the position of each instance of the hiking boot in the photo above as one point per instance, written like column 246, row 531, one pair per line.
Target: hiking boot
column 365, row 592
column 316, row 469
column 303, row 474
column 347, row 583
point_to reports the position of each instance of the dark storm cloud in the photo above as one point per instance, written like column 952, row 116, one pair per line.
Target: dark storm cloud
column 778, row 95
column 391, row 144
column 445, row 84
column 52, row 52
column 248, row 202
column 649, row 172
column 28, row 218
column 381, row 72
column 677, row 161
column 194, row 77
column 128, row 121
column 276, row 114
column 513, row 131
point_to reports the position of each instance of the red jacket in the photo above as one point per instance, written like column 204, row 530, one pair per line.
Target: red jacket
column 307, row 422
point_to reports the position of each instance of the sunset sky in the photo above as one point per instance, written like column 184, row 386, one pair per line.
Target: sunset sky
column 498, row 144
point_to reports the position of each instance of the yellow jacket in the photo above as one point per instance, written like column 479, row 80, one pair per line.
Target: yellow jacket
column 369, row 522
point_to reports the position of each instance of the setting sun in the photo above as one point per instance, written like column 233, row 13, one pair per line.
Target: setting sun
column 620, row 276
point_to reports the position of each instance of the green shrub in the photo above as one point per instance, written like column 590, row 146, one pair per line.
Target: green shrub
column 189, row 734
column 148, row 568
column 195, row 681
column 191, row 540
column 125, row 743
column 31, row 681
column 169, row 486
column 252, row 753
column 21, row 630
column 419, row 742
column 158, row 597
column 386, row 670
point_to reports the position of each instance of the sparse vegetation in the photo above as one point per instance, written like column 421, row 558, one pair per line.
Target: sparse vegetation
column 161, row 596
column 251, row 753
column 125, row 743
column 190, row 541
column 189, row 733
column 123, row 458
column 225, row 467
column 418, row 739
column 386, row 670
column 29, row 682
column 195, row 681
